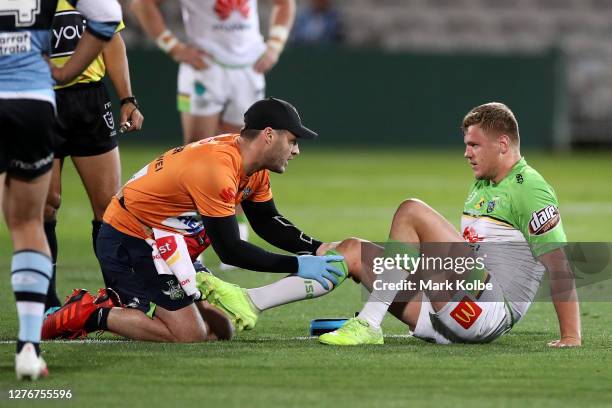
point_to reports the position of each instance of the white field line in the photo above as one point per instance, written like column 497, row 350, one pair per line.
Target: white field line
column 111, row 341
column 594, row 208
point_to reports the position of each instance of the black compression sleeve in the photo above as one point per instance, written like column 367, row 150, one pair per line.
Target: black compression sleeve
column 276, row 229
column 225, row 239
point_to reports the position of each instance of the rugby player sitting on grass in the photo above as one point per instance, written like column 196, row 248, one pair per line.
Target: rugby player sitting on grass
column 188, row 194
column 510, row 221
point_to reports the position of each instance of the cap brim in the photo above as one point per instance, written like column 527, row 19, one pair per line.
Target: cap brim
column 304, row 133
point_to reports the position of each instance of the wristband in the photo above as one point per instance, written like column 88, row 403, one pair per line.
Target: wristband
column 166, row 41
column 130, row 99
column 279, row 32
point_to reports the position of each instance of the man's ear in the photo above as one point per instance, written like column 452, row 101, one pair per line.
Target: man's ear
column 504, row 144
column 268, row 134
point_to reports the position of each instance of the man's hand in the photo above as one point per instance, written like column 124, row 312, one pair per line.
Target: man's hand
column 566, row 341
column 267, row 60
column 189, row 55
column 130, row 113
column 319, row 268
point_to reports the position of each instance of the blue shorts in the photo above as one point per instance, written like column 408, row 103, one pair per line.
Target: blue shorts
column 127, row 267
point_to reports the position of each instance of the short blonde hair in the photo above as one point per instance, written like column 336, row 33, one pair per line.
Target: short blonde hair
column 493, row 117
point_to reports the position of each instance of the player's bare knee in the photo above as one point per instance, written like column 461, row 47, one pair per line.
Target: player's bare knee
column 409, row 210
column 350, row 248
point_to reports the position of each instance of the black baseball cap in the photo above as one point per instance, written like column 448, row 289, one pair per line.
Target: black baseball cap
column 277, row 114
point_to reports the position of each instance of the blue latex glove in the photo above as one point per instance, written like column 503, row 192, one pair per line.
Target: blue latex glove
column 319, row 268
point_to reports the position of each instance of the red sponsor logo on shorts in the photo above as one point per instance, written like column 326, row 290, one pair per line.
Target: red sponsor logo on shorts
column 166, row 247
column 228, row 195
column 466, row 313
column 224, row 8
column 471, row 236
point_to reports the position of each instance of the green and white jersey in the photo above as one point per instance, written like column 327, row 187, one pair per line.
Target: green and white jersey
column 511, row 224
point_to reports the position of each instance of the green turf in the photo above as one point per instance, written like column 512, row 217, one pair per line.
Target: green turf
column 332, row 195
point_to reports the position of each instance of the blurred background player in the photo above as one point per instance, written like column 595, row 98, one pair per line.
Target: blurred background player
column 223, row 64
column 318, row 23
column 27, row 104
column 85, row 124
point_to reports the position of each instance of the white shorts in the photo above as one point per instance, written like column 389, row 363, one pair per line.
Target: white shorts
column 464, row 319
column 219, row 89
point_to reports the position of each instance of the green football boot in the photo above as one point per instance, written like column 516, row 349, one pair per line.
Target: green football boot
column 354, row 332
column 230, row 298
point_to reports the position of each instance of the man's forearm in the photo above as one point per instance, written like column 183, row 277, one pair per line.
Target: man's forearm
column 283, row 13
column 117, row 66
column 277, row 230
column 149, row 16
column 88, row 48
column 568, row 313
column 563, row 292
column 225, row 239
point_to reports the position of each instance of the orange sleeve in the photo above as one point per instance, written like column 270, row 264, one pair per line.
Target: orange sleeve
column 263, row 191
column 213, row 185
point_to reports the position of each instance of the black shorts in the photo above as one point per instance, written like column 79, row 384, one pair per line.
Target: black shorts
column 85, row 123
column 127, row 267
column 26, row 137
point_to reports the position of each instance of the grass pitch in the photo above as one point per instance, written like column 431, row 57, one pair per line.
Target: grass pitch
column 332, row 195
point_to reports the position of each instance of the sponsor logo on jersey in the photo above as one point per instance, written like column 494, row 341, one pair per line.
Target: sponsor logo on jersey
column 15, row 42
column 225, row 8
column 228, row 195
column 246, row 193
column 544, row 220
column 189, row 223
column 68, row 28
column 166, row 246
column 480, row 203
column 519, row 178
column 466, row 313
column 491, row 206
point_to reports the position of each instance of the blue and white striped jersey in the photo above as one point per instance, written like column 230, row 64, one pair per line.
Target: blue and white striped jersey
column 25, row 40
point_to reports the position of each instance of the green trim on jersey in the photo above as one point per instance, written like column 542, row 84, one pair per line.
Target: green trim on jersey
column 524, row 201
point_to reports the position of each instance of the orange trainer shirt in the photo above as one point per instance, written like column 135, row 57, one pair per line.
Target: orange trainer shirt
column 172, row 192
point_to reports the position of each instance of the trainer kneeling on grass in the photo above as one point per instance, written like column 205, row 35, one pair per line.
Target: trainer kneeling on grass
column 175, row 207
